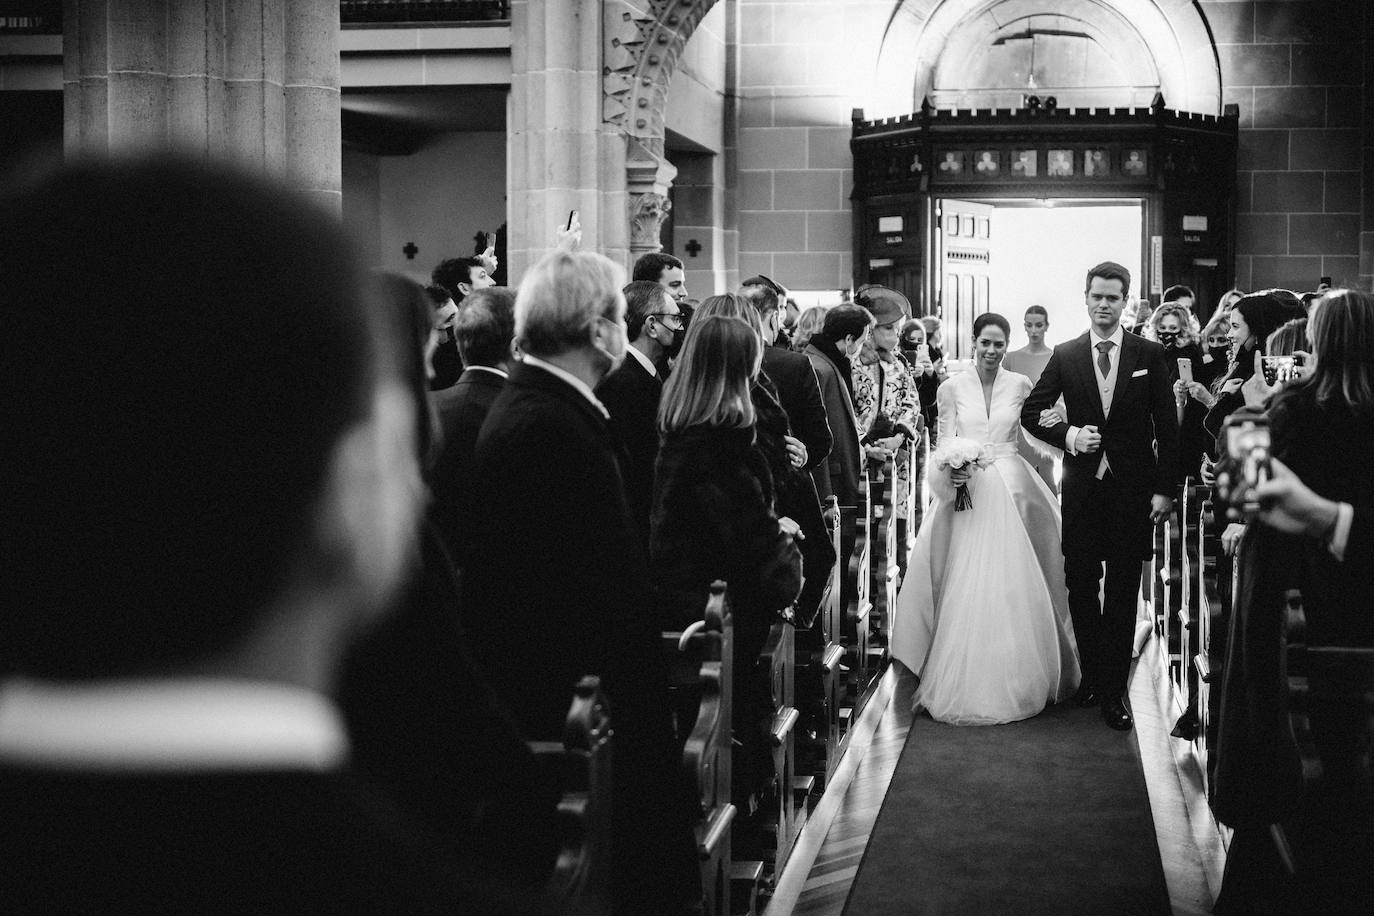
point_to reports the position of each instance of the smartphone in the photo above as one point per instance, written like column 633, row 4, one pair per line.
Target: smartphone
column 922, row 353
column 1279, row 369
column 491, row 240
column 1247, row 451
column 572, row 218
column 1323, row 281
column 1185, row 370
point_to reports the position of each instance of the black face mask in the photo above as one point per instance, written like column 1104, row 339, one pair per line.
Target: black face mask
column 1168, row 338
column 1219, row 349
column 675, row 347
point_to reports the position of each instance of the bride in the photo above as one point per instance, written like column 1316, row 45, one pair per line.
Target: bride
column 983, row 614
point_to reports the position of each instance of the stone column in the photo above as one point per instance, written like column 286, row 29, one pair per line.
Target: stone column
column 561, row 156
column 253, row 82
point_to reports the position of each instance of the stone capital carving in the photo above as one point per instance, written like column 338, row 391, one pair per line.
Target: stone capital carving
column 647, row 212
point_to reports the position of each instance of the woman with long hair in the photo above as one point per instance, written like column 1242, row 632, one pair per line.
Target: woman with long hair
column 1253, row 318
column 713, row 515
column 1322, row 429
column 808, row 323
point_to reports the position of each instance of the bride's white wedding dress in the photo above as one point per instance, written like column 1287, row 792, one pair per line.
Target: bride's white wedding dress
column 983, row 615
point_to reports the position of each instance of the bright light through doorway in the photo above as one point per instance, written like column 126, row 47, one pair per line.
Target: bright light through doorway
column 1041, row 254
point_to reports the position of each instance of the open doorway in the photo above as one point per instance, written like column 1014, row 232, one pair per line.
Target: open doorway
column 1027, row 251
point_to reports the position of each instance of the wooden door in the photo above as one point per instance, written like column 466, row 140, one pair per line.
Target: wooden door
column 963, row 232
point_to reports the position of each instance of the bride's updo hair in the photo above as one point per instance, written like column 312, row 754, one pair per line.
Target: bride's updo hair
column 988, row 318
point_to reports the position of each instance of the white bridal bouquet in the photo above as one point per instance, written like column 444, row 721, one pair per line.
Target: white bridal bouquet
column 954, row 453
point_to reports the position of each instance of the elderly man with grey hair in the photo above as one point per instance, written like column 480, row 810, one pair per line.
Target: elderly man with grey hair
column 554, row 582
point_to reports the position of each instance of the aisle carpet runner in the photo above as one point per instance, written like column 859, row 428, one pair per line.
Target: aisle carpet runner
column 1049, row 815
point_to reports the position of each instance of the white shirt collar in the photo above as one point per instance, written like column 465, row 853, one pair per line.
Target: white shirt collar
column 643, row 360
column 571, row 379
column 171, row 725
column 1117, row 336
column 492, row 369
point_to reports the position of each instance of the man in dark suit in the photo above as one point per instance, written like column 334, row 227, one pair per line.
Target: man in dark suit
column 484, row 328
column 554, row 577
column 1120, row 441
column 830, row 351
column 654, row 324
column 799, row 394
column 798, row 391
column 190, row 548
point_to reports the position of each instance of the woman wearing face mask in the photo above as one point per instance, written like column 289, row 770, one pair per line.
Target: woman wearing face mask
column 1170, row 325
column 713, row 515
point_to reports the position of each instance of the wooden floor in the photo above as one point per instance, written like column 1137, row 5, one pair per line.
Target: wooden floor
column 819, row 874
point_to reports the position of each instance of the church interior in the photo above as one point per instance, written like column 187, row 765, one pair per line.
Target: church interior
column 974, row 156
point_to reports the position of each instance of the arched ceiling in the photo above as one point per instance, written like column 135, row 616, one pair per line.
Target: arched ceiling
column 1086, row 53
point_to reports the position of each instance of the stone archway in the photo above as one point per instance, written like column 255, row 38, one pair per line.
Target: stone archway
column 924, row 34
column 642, row 41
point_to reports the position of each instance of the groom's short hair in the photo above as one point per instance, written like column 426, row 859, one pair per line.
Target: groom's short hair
column 1109, row 270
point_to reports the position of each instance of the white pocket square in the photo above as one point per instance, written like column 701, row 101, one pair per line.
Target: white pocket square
column 1139, row 372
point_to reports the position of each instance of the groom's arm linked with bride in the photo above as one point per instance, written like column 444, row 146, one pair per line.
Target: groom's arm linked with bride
column 1120, row 476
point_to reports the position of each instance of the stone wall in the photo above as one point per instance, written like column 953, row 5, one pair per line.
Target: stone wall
column 1299, row 71
column 801, row 66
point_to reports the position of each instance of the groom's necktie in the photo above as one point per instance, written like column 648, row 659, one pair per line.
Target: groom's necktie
column 1104, row 361
column 1104, row 365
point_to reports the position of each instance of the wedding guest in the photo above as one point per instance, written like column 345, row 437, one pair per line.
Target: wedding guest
column 193, row 535
column 886, row 401
column 1183, row 297
column 442, row 357
column 1215, row 343
column 631, row 392
column 808, row 323
column 484, row 329
column 427, row 728
column 1253, row 319
column 1031, row 361
column 792, row 431
column 1170, row 326
column 797, row 389
column 554, row 577
column 713, row 514
column 840, row 339
column 1322, row 429
column 665, row 270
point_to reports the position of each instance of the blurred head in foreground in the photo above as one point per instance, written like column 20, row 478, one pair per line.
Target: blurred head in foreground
column 210, row 453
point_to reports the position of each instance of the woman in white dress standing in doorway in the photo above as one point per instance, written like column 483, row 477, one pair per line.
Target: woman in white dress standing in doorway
column 983, row 614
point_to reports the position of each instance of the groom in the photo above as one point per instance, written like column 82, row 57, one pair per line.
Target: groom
column 1120, row 447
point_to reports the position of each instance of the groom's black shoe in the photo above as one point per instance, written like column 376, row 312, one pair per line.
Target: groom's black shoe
column 1086, row 697
column 1116, row 715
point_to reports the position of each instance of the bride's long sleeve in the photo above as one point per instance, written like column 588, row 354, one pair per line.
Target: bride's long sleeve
column 947, row 425
column 1037, row 445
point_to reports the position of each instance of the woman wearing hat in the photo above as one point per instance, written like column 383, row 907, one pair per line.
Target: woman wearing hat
column 885, row 398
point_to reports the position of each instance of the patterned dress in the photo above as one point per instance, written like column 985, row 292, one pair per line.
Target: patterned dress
column 899, row 403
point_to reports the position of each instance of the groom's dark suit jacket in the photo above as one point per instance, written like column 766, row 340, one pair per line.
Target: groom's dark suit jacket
column 1140, row 439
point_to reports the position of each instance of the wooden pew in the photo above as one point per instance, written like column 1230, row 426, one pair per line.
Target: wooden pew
column 820, row 683
column 1331, row 711
column 856, row 522
column 1207, row 660
column 582, row 764
column 884, row 572
column 786, row 799
column 700, row 671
